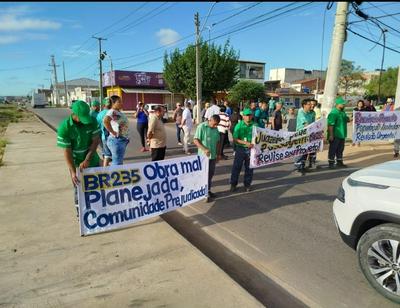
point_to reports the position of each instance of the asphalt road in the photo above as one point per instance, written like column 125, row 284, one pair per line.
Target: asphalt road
column 284, row 228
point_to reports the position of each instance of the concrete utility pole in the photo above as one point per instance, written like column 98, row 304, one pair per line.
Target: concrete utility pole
column 397, row 98
column 101, row 67
column 335, row 56
column 55, row 89
column 65, row 85
column 198, row 68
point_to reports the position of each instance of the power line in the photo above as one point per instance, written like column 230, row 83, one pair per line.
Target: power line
column 236, row 14
column 383, row 11
column 368, row 39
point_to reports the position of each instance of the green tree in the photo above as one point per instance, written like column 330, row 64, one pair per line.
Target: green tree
column 350, row 77
column 388, row 84
column 246, row 90
column 219, row 65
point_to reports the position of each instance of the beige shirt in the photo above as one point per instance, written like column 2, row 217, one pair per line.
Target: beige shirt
column 156, row 126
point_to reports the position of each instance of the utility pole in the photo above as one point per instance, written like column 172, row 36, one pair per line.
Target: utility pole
column 55, row 89
column 335, row 56
column 65, row 85
column 397, row 97
column 100, row 66
column 198, row 68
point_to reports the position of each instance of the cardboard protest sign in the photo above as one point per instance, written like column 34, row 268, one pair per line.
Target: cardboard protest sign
column 117, row 196
column 272, row 146
column 376, row 126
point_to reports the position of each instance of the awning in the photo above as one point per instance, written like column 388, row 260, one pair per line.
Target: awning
column 151, row 91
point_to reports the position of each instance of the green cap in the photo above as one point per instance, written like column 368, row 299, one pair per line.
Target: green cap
column 105, row 101
column 82, row 111
column 95, row 104
column 247, row 112
column 340, row 101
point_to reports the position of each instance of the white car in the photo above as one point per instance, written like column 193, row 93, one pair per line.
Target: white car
column 150, row 108
column 367, row 215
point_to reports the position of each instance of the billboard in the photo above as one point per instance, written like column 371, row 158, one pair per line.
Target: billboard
column 133, row 79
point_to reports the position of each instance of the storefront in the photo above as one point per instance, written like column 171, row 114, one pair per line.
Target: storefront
column 134, row 87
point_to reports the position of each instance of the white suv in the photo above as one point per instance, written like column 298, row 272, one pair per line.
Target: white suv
column 367, row 215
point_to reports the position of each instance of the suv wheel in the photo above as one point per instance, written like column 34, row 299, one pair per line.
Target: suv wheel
column 379, row 258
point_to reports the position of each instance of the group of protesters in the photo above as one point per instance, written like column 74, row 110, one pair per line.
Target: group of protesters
column 90, row 126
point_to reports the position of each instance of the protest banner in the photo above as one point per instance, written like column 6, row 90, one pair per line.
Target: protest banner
column 117, row 196
column 272, row 146
column 376, row 126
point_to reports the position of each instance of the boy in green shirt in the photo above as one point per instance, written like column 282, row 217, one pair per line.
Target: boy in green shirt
column 79, row 136
column 337, row 133
column 207, row 140
column 242, row 136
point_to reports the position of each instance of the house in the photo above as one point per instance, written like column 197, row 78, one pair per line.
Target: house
column 84, row 89
column 289, row 75
column 251, row 70
column 290, row 96
column 311, row 85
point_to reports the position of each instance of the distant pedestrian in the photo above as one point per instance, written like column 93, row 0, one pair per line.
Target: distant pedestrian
column 117, row 125
column 157, row 135
column 223, row 128
column 142, row 124
column 271, row 106
column 79, row 136
column 253, row 108
column 94, row 109
column 203, row 112
column 107, row 157
column 318, row 111
column 187, row 125
column 213, row 109
column 360, row 107
column 389, row 105
column 290, row 120
column 368, row 106
column 304, row 118
column 312, row 157
column 242, row 137
column 261, row 117
column 177, row 117
column 337, row 133
column 228, row 110
column 276, row 117
column 207, row 139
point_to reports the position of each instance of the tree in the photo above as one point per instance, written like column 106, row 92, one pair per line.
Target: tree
column 246, row 90
column 219, row 67
column 388, row 84
column 350, row 78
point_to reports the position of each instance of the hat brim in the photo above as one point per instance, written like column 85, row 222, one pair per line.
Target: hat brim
column 86, row 119
column 247, row 114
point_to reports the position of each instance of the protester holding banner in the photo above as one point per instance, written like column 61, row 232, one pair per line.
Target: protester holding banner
column 104, row 132
column 208, row 141
column 277, row 117
column 304, row 117
column 242, row 137
column 312, row 157
column 290, row 119
column 157, row 135
column 223, row 127
column 337, row 133
column 79, row 136
column 368, row 106
column 117, row 123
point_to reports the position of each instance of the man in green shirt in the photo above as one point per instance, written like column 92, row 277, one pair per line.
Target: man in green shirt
column 79, row 136
column 242, row 136
column 337, row 133
column 207, row 140
column 304, row 118
column 94, row 109
column 261, row 117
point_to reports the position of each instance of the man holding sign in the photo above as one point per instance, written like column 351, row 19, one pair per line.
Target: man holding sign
column 207, row 140
column 337, row 133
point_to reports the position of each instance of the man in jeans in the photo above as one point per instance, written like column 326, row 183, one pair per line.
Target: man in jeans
column 337, row 133
column 79, row 136
column 242, row 136
column 207, row 140
column 177, row 116
column 157, row 135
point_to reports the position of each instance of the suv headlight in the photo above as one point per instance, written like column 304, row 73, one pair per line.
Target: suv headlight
column 355, row 183
column 341, row 194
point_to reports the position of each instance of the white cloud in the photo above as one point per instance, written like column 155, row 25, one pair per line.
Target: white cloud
column 13, row 23
column 74, row 52
column 167, row 36
column 9, row 39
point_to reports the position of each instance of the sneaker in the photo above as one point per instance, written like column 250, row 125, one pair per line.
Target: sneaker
column 396, row 155
column 180, row 143
column 233, row 188
column 211, row 194
column 341, row 165
column 247, row 188
column 331, row 166
column 188, row 153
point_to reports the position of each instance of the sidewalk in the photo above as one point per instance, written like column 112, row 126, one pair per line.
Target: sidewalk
column 45, row 262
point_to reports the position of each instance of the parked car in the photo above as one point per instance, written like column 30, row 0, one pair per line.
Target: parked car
column 150, row 108
column 367, row 215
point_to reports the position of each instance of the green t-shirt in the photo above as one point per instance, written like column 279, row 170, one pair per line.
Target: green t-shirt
column 338, row 119
column 93, row 113
column 209, row 137
column 304, row 117
column 261, row 116
column 78, row 137
column 243, row 132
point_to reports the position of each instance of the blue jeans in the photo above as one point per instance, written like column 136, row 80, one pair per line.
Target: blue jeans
column 242, row 155
column 106, row 150
column 117, row 147
column 178, row 132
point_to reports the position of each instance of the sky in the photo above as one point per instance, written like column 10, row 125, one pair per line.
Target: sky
column 138, row 34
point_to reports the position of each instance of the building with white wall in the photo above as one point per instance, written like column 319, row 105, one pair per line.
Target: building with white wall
column 253, row 71
column 288, row 75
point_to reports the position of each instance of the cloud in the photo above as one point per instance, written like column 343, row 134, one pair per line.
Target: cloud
column 9, row 39
column 74, row 52
column 167, row 36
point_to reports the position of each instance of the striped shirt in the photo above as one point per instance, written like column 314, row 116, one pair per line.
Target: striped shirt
column 224, row 124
